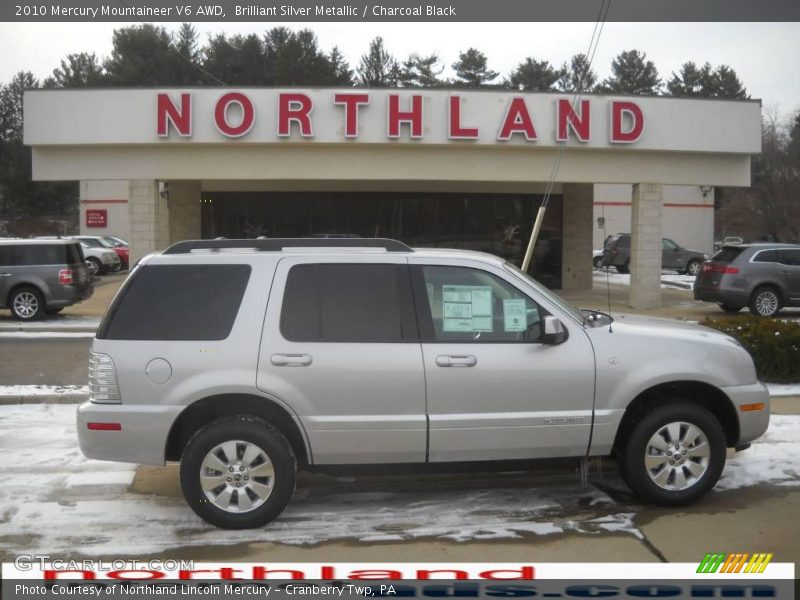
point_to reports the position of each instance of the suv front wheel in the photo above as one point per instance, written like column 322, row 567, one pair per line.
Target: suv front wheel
column 674, row 454
column 238, row 472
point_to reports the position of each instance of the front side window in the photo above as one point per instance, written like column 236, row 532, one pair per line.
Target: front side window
column 347, row 303
column 470, row 305
column 791, row 258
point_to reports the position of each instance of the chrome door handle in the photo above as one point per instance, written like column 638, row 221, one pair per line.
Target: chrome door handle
column 290, row 360
column 5, row 274
column 456, row 360
column 784, row 272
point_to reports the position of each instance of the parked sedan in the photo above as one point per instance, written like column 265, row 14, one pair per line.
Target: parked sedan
column 98, row 241
column 763, row 277
column 618, row 254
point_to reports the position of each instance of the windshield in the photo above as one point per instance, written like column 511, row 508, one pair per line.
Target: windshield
column 94, row 243
column 553, row 297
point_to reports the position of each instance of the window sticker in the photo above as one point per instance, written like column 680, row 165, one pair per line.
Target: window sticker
column 514, row 315
column 467, row 308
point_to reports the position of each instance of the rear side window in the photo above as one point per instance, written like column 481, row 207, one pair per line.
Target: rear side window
column 623, row 241
column 766, row 256
column 727, row 255
column 27, row 255
column 347, row 303
column 178, row 302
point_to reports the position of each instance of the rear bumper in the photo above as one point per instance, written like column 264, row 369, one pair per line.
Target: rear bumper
column 722, row 295
column 67, row 295
column 142, row 436
column 752, row 424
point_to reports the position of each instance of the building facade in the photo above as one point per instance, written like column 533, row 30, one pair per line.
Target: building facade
column 450, row 168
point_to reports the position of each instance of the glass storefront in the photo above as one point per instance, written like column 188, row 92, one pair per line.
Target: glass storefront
column 496, row 223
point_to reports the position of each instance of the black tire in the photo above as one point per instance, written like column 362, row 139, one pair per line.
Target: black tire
column 631, row 457
column 624, row 268
column 26, row 303
column 250, row 430
column 95, row 266
column 693, row 267
column 729, row 308
column 53, row 311
column 597, row 262
column 765, row 301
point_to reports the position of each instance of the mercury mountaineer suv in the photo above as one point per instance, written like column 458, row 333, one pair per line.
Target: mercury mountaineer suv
column 247, row 360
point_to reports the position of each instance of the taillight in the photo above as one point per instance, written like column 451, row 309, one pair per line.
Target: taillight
column 103, row 386
column 65, row 276
column 717, row 268
column 614, row 252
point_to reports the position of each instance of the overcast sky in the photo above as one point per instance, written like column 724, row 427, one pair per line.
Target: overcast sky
column 764, row 55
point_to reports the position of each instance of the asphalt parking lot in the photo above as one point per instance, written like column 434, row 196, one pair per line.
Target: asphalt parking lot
column 54, row 500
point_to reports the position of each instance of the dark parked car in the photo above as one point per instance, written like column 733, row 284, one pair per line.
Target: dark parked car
column 618, row 254
column 40, row 277
column 764, row 277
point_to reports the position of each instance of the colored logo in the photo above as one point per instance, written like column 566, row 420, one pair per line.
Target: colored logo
column 734, row 563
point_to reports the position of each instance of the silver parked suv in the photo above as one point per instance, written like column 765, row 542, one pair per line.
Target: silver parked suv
column 248, row 359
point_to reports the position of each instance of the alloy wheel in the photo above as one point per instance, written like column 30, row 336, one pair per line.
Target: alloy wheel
column 26, row 305
column 237, row 476
column 677, row 456
column 766, row 303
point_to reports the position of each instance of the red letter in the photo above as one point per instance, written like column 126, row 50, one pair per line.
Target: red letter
column 517, row 120
column 568, row 119
column 414, row 116
column 168, row 113
column 151, row 575
column 294, row 107
column 50, row 574
column 457, row 132
column 618, row 111
column 351, row 102
column 523, row 572
column 221, row 114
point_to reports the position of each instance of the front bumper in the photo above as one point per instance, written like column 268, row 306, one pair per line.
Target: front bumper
column 752, row 424
column 142, row 436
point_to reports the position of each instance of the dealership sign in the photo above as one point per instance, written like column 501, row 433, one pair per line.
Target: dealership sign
column 96, row 217
column 234, row 114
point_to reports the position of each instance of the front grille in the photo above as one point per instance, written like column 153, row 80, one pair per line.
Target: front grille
column 103, row 386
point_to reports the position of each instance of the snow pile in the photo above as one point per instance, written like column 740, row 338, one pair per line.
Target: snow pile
column 43, row 390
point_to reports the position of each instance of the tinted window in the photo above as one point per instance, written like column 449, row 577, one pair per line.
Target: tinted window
column 470, row 305
column 727, row 254
column 768, row 256
column 623, row 241
column 178, row 302
column 346, row 303
column 791, row 257
column 39, row 254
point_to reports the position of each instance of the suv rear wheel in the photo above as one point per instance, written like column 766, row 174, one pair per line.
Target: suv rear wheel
column 238, row 472
column 94, row 266
column 624, row 268
column 26, row 304
column 765, row 302
column 693, row 267
column 674, row 454
column 729, row 308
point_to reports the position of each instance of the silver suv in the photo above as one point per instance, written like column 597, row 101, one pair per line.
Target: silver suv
column 248, row 359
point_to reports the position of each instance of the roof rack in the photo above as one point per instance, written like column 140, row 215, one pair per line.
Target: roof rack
column 278, row 244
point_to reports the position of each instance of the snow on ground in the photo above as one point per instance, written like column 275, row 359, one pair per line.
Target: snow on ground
column 28, row 335
column 669, row 279
column 43, row 390
column 56, row 321
column 54, row 499
column 784, row 389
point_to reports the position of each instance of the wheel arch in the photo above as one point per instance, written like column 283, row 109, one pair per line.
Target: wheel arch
column 205, row 410
column 27, row 283
column 698, row 392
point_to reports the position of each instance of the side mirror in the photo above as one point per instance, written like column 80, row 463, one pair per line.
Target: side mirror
column 554, row 332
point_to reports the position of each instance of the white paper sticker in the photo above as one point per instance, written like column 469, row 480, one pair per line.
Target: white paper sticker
column 466, row 308
column 514, row 315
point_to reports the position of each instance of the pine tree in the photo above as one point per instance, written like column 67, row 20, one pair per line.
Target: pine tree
column 472, row 69
column 378, row 68
column 632, row 73
column 533, row 76
column 577, row 76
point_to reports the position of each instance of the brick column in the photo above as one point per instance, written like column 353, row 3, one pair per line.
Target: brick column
column 576, row 262
column 184, row 211
column 646, row 245
column 149, row 218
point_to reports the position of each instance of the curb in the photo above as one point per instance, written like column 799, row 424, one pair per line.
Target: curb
column 43, row 399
